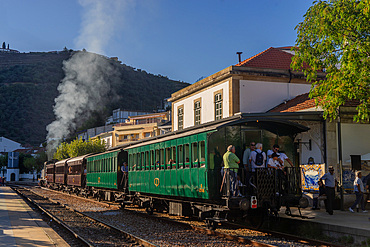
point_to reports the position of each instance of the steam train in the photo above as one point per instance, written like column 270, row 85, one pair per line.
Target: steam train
column 180, row 172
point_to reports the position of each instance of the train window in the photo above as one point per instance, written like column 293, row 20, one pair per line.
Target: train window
column 138, row 167
column 168, row 158
column 157, row 158
column 130, row 162
column 134, row 162
column 187, row 155
column 194, row 154
column 142, row 161
column 180, row 155
column 202, row 153
column 147, row 164
column 173, row 157
column 161, row 158
column 152, row 160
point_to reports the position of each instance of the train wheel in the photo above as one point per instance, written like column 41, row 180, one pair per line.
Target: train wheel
column 257, row 218
column 149, row 210
column 211, row 225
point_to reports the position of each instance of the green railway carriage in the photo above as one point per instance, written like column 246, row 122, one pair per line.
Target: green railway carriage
column 187, row 165
column 175, row 167
column 180, row 172
column 103, row 170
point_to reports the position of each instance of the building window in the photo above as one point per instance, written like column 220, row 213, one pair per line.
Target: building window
column 197, row 112
column 218, row 106
column 180, row 118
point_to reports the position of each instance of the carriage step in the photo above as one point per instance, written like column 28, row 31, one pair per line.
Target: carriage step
column 218, row 220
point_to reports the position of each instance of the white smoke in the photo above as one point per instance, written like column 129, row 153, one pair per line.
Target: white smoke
column 85, row 86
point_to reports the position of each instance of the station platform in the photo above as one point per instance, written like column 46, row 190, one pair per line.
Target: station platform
column 21, row 226
column 341, row 223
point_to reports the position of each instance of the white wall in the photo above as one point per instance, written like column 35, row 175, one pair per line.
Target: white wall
column 9, row 174
column 207, row 106
column 7, row 145
column 355, row 141
column 316, row 137
column 108, row 141
column 261, row 96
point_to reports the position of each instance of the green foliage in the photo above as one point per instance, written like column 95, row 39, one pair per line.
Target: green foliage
column 28, row 87
column 366, row 243
column 24, row 158
column 79, row 147
column 3, row 160
column 335, row 38
column 29, row 163
column 346, row 239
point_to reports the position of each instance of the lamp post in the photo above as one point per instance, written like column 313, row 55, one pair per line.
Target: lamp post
column 3, row 169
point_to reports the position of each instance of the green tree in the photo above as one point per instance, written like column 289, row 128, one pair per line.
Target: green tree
column 79, row 147
column 4, row 160
column 335, row 38
column 29, row 163
column 4, row 46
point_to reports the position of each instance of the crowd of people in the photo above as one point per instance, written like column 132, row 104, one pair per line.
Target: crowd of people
column 253, row 158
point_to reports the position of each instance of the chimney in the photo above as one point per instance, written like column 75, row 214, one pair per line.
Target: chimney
column 240, row 55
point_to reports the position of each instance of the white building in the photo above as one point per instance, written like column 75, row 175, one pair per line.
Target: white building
column 264, row 86
column 7, row 145
column 120, row 116
column 254, row 85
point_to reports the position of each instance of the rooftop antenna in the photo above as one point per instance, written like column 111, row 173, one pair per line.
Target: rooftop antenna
column 240, row 55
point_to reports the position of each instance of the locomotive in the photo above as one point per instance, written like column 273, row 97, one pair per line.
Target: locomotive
column 180, row 172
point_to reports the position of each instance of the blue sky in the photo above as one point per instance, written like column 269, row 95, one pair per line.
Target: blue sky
column 184, row 40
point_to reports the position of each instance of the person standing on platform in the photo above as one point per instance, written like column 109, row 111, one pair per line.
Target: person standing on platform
column 258, row 158
column 231, row 162
column 330, row 184
column 246, row 163
column 359, row 191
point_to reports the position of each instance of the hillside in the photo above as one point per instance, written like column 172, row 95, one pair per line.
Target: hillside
column 28, row 87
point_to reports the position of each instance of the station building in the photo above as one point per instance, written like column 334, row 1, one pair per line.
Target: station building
column 264, row 86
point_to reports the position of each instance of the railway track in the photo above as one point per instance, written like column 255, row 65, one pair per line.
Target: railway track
column 90, row 231
column 233, row 232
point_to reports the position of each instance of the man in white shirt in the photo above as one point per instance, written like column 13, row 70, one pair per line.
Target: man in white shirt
column 282, row 156
column 273, row 162
column 359, row 189
column 257, row 157
column 247, row 154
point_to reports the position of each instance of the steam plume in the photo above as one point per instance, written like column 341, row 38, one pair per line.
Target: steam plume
column 85, row 86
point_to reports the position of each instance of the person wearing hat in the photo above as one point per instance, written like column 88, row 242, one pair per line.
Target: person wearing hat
column 330, row 183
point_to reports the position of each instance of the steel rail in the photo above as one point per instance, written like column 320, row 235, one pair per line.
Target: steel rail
column 126, row 234
column 240, row 239
column 84, row 241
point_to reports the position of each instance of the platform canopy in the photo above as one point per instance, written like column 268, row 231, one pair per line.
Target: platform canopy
column 280, row 127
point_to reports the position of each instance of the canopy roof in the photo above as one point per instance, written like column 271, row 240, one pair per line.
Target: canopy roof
column 277, row 126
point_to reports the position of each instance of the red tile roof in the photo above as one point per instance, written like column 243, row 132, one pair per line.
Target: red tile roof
column 272, row 58
column 299, row 103
column 303, row 102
